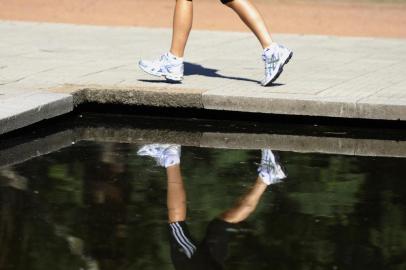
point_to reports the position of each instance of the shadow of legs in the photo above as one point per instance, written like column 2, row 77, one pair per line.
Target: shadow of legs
column 195, row 69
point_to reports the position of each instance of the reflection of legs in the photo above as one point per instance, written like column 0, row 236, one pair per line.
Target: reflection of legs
column 270, row 172
column 251, row 17
column 246, row 204
column 218, row 232
column 182, row 24
column 168, row 156
column 182, row 246
column 176, row 198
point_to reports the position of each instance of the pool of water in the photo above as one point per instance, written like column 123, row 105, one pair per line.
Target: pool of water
column 96, row 204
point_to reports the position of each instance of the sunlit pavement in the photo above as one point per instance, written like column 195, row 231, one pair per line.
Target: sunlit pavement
column 47, row 69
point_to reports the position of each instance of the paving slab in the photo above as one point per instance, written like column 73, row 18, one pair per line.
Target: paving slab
column 328, row 76
column 28, row 108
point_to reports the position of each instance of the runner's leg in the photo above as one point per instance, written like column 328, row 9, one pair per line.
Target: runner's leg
column 251, row 17
column 182, row 24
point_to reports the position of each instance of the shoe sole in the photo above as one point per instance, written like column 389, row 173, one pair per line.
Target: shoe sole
column 167, row 77
column 280, row 70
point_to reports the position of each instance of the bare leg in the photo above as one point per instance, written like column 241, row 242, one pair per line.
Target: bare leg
column 176, row 198
column 245, row 205
column 182, row 24
column 251, row 17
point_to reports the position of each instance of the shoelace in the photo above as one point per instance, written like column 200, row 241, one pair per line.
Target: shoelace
column 269, row 61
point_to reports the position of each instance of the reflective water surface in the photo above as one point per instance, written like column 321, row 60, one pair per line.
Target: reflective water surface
column 98, row 205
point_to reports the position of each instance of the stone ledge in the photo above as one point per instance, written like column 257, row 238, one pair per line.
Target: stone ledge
column 306, row 107
column 136, row 95
column 15, row 115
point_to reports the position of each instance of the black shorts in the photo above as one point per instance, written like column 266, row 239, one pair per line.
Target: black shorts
column 209, row 254
column 222, row 1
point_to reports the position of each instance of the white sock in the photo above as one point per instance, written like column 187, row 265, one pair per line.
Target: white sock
column 271, row 47
column 174, row 58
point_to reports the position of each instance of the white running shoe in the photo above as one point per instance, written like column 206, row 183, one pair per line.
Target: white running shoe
column 275, row 57
column 166, row 155
column 167, row 66
column 269, row 170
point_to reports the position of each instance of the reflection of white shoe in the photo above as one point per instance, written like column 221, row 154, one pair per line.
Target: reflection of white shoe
column 168, row 66
column 269, row 170
column 275, row 57
column 165, row 155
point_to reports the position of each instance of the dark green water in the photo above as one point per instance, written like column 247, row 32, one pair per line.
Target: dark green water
column 100, row 205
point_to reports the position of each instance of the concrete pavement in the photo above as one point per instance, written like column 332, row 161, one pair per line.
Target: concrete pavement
column 47, row 69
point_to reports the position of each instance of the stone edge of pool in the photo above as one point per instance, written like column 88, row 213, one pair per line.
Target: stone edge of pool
column 22, row 111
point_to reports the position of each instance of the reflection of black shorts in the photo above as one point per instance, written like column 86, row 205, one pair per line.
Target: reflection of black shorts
column 209, row 254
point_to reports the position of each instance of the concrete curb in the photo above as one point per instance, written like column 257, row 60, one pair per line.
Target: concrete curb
column 137, row 95
column 15, row 113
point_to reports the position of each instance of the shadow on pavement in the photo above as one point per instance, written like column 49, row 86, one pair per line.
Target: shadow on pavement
column 196, row 69
column 160, row 81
